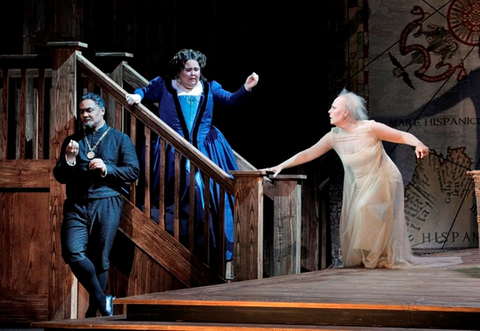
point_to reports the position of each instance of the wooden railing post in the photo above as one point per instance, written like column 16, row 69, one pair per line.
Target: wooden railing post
column 476, row 179
column 63, row 299
column 287, row 224
column 248, row 218
column 112, row 64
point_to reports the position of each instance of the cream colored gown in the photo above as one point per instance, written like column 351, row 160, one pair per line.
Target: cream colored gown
column 373, row 230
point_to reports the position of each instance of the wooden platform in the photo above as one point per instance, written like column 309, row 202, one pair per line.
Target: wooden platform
column 334, row 299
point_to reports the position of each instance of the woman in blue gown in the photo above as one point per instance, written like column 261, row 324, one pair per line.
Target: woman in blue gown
column 186, row 102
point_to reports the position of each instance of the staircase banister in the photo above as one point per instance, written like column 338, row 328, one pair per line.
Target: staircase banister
column 158, row 126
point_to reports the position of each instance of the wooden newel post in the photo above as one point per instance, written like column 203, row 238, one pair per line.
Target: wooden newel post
column 112, row 63
column 287, row 224
column 248, row 216
column 62, row 123
column 476, row 179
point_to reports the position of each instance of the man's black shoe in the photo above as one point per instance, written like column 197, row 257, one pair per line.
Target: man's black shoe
column 108, row 305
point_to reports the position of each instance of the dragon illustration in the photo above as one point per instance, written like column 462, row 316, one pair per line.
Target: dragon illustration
column 441, row 44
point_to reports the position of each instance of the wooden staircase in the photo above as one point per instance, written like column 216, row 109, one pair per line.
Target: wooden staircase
column 38, row 106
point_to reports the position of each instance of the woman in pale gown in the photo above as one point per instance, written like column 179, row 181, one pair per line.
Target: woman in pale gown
column 373, row 230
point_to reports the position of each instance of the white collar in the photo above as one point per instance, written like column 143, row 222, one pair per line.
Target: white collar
column 181, row 90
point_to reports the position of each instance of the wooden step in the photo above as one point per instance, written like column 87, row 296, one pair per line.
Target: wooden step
column 301, row 314
column 120, row 322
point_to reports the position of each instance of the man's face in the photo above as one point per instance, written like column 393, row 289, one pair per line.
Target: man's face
column 90, row 114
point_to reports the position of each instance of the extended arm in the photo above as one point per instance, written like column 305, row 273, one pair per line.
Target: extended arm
column 386, row 133
column 307, row 155
column 152, row 92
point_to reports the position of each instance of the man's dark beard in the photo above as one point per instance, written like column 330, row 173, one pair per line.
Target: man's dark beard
column 88, row 126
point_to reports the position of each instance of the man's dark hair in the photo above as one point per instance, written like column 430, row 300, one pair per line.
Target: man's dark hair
column 95, row 97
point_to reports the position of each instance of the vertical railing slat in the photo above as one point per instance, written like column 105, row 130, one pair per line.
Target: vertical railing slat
column 147, row 168
column 20, row 147
column 133, row 137
column 41, row 111
column 206, row 219
column 4, row 113
column 161, row 194
column 191, row 216
column 176, row 204
column 221, row 248
column 31, row 115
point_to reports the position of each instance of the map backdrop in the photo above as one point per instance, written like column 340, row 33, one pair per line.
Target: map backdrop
column 423, row 66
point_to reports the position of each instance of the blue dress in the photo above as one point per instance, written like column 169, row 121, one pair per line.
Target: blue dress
column 190, row 115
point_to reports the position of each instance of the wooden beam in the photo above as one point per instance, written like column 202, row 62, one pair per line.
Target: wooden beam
column 25, row 173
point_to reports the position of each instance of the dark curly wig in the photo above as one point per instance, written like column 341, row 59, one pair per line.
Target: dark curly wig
column 178, row 61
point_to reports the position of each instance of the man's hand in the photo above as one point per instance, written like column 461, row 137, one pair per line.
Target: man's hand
column 98, row 164
column 71, row 152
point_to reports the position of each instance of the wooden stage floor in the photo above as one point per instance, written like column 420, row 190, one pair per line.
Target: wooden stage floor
column 357, row 298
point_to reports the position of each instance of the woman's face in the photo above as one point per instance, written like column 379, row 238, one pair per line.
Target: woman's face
column 338, row 112
column 190, row 74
